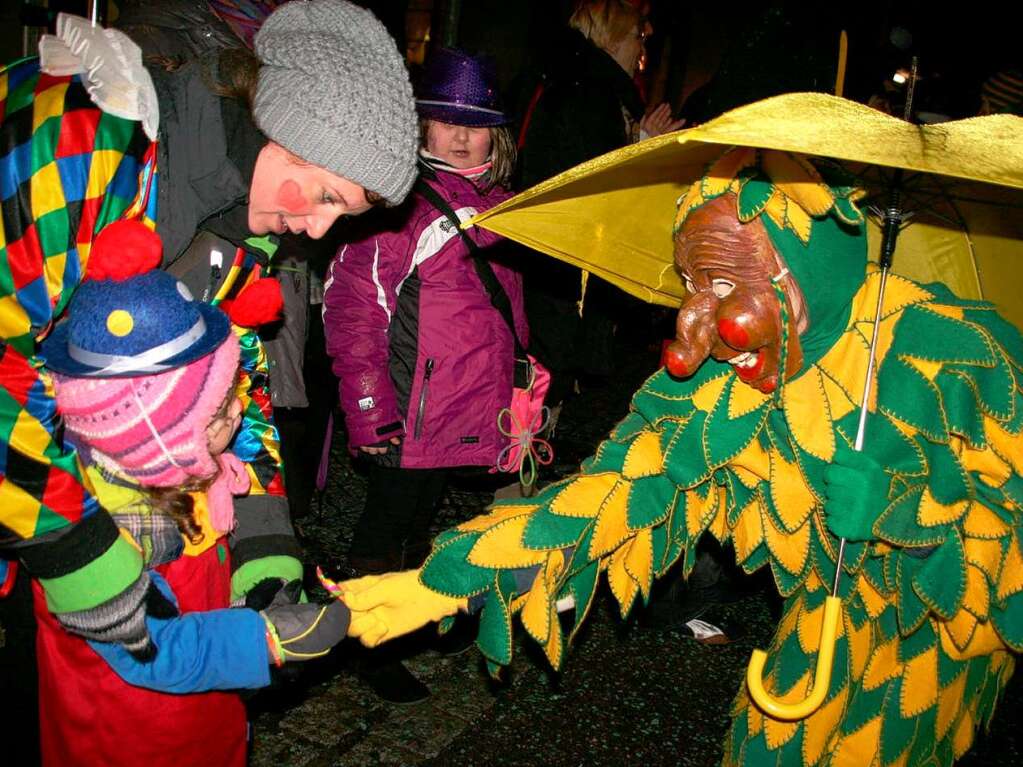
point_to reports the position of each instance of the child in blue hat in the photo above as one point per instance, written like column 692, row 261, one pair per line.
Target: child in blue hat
column 144, row 378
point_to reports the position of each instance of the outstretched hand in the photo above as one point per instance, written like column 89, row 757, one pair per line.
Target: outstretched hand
column 390, row 605
column 659, row 121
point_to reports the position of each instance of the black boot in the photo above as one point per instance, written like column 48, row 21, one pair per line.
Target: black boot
column 385, row 674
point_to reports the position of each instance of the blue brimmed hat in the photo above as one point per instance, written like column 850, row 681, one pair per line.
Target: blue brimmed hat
column 459, row 88
column 133, row 325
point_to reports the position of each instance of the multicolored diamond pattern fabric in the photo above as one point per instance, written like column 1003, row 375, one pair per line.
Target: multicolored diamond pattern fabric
column 67, row 169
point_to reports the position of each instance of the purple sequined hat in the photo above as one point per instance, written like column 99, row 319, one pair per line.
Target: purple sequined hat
column 460, row 89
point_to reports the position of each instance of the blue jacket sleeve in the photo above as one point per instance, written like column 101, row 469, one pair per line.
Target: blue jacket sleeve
column 198, row 652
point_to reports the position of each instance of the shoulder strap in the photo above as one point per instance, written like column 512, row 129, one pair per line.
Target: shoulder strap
column 498, row 295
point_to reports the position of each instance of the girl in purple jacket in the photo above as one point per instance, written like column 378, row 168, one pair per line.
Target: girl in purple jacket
column 424, row 359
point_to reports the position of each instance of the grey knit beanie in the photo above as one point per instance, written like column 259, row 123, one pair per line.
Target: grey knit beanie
column 333, row 90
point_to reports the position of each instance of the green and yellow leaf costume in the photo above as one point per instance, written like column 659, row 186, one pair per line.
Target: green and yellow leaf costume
column 932, row 607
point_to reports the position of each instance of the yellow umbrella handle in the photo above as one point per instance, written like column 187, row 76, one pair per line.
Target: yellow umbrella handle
column 821, row 677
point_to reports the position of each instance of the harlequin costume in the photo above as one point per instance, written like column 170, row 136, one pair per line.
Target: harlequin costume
column 931, row 605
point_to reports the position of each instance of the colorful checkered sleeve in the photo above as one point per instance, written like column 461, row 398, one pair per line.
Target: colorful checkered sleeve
column 66, row 170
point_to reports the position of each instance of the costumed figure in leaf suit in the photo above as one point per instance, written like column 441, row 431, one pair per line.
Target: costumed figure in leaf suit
column 749, row 436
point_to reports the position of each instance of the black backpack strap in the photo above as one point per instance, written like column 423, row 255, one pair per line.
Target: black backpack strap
column 498, row 295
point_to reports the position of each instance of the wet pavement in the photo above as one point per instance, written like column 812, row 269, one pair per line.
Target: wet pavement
column 627, row 695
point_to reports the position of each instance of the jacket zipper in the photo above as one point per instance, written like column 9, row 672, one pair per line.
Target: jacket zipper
column 421, row 410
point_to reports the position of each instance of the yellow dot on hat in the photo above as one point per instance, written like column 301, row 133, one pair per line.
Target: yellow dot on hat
column 120, row 323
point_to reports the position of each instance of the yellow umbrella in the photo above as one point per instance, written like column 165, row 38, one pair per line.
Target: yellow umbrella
column 613, row 215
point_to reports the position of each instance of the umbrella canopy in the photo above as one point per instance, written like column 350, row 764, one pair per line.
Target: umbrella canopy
column 613, row 215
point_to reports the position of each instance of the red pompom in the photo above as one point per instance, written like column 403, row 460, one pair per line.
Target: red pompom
column 124, row 249
column 258, row 303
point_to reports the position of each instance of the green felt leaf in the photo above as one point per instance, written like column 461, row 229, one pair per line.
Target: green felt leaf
column 583, row 585
column 684, row 459
column 906, row 394
column 445, row 624
column 757, row 558
column 927, row 335
column 790, row 663
column 961, row 407
column 753, row 196
column 494, row 670
column 924, row 744
column 864, row 706
column 1004, row 333
column 898, row 525
column 1009, row 621
column 779, row 435
column 1012, row 488
column 911, row 609
column 883, row 441
column 739, row 498
column 891, row 572
column 629, row 427
column 448, row 569
column 724, row 437
column 947, row 479
column 495, row 636
column 918, row 642
column 650, row 500
column 689, row 560
column 659, row 534
column 609, row 457
column 995, row 387
column 545, row 530
column 786, row 582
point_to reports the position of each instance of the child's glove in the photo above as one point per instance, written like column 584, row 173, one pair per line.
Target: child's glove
column 391, row 605
column 857, row 490
column 304, row 631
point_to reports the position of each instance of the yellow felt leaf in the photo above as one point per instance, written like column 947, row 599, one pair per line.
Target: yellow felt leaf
column 821, row 726
column 799, row 180
column 883, row 665
column 859, row 647
column 1012, row 571
column 644, row 457
column 745, row 399
column 919, row 683
column 859, row 748
column 501, row 547
column 778, row 733
column 798, row 221
column 775, row 209
column 756, row 721
column 927, row 368
column 622, row 585
column 499, row 514
column 982, row 522
column 955, row 312
column 793, row 500
column 612, row 523
column 985, row 554
column 723, row 171
column 789, row 621
column 987, row 464
column 752, row 465
column 960, row 628
column 639, row 560
column 809, row 627
column 977, row 597
column 808, row 414
column 584, row 496
column 554, row 649
column 873, row 601
column 707, row 396
column 536, row 612
column 692, row 198
column 949, row 702
column 963, row 738
column 845, row 363
column 695, row 509
column 747, row 533
column 839, row 403
column 789, row 549
column 718, row 524
column 930, row 512
column 1008, row 446
column 984, row 642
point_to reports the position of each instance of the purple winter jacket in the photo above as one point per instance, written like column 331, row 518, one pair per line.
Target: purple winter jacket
column 420, row 351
